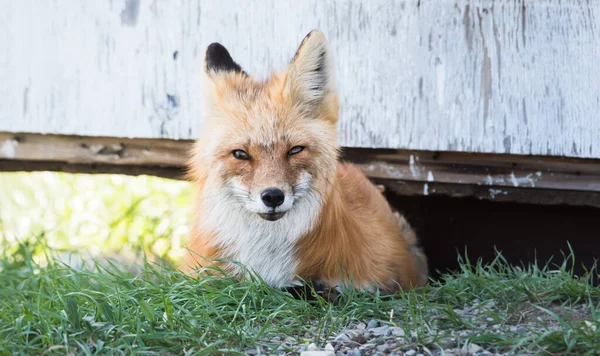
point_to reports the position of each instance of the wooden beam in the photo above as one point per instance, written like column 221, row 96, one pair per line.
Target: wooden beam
column 539, row 180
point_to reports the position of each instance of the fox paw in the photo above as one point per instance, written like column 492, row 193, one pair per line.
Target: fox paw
column 329, row 293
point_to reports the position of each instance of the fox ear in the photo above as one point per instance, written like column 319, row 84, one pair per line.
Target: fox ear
column 310, row 76
column 217, row 59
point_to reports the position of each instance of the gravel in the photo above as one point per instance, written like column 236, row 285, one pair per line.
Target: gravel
column 374, row 337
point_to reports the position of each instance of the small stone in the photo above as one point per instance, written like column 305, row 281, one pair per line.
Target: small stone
column 342, row 338
column 471, row 348
column 367, row 347
column 396, row 331
column 361, row 326
column 447, row 343
column 312, row 347
column 353, row 334
column 381, row 331
column 410, row 353
column 372, row 324
column 420, row 355
column 383, row 348
column 482, row 354
column 521, row 329
column 361, row 339
column 329, row 347
column 391, row 344
column 317, row 353
column 489, row 319
column 496, row 326
column 354, row 352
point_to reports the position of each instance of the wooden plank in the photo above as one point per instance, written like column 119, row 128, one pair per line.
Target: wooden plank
column 541, row 180
column 488, row 76
column 94, row 150
column 479, row 169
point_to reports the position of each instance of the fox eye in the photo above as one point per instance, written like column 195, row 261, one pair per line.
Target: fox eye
column 241, row 154
column 295, row 150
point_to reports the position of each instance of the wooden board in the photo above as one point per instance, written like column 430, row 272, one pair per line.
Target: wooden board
column 540, row 180
column 488, row 76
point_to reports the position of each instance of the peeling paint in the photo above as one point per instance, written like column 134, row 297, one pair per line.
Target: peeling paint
column 494, row 192
column 9, row 149
column 414, row 170
column 440, row 79
column 129, row 15
column 523, row 181
column 513, row 180
column 393, row 172
column 430, row 177
column 441, row 97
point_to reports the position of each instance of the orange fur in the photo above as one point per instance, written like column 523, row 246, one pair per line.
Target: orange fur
column 336, row 227
column 358, row 236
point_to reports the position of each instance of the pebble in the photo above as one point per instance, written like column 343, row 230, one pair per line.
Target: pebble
column 317, row 353
column 312, row 347
column 361, row 339
column 342, row 338
column 396, row 331
column 381, row 331
column 329, row 347
column 354, row 352
column 367, row 347
column 410, row 353
column 447, row 342
column 383, row 348
column 372, row 324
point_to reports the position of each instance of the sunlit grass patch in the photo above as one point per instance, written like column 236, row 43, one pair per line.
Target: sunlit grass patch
column 95, row 214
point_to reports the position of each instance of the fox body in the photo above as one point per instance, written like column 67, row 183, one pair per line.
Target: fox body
column 272, row 193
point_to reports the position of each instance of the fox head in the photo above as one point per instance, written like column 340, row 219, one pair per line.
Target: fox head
column 269, row 145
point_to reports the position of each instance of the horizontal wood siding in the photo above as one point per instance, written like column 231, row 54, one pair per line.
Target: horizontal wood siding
column 505, row 76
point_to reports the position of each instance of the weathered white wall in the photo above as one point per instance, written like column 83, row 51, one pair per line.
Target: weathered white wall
column 515, row 76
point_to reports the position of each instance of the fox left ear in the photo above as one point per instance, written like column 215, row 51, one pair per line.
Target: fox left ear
column 217, row 59
column 310, row 76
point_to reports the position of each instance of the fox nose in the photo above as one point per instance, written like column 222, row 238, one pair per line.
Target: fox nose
column 272, row 197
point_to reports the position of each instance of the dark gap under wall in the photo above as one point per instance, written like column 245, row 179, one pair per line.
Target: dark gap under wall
column 522, row 232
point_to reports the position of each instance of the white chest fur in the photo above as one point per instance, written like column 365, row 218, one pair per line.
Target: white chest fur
column 266, row 247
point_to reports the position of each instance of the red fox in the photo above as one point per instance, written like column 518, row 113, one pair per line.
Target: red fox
column 272, row 194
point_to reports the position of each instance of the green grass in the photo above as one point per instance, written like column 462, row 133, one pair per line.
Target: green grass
column 47, row 307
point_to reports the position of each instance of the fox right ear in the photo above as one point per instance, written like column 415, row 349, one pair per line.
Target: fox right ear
column 217, row 59
column 311, row 74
